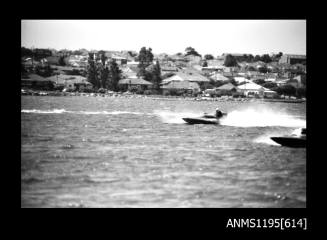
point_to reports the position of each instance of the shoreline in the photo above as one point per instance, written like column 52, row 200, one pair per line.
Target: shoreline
column 156, row 97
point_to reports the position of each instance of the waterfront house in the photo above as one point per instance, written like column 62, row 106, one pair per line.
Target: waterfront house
column 218, row 77
column 168, row 69
column 211, row 69
column 70, row 82
column 240, row 79
column 226, row 89
column 134, row 83
column 254, row 90
column 186, row 76
column 293, row 59
column 180, row 87
column 34, row 81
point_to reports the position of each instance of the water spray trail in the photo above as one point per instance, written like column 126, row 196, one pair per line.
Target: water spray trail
column 261, row 118
column 174, row 117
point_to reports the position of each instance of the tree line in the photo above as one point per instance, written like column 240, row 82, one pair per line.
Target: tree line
column 103, row 74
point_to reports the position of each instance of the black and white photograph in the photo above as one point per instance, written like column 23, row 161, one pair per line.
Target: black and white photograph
column 163, row 113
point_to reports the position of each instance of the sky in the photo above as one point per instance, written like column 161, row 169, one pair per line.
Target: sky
column 168, row 36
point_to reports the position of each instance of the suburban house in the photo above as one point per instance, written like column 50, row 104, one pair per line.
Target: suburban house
column 193, row 59
column 240, row 79
column 134, row 83
column 180, row 87
column 281, row 81
column 37, row 82
column 218, row 77
column 293, row 59
column 226, row 89
column 168, row 69
column 70, row 82
column 77, row 60
column 255, row 90
column 119, row 60
column 211, row 69
column 186, row 76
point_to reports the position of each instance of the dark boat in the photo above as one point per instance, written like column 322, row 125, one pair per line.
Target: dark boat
column 201, row 120
column 290, row 141
column 205, row 119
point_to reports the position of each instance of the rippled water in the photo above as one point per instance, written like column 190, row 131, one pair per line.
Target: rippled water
column 137, row 152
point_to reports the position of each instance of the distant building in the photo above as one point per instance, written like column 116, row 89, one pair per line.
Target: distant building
column 70, row 82
column 255, row 90
column 182, row 76
column 134, row 82
column 226, row 89
column 34, row 81
column 218, row 77
column 180, row 87
column 293, row 59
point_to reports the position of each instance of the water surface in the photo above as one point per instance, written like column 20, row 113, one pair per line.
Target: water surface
column 137, row 152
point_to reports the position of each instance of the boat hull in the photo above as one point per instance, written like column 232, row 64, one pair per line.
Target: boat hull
column 290, row 141
column 201, row 120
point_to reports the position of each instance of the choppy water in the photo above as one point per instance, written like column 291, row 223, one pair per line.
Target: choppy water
column 121, row 152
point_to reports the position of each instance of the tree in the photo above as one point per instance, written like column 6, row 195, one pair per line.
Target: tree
column 114, row 75
column 103, row 72
column 287, row 89
column 132, row 54
column 205, row 64
column 263, row 69
column 259, row 81
column 230, row 61
column 156, row 76
column 208, row 57
column 191, row 51
column 269, row 85
column 62, row 61
column 257, row 58
column 145, row 58
column 92, row 75
column 266, row 58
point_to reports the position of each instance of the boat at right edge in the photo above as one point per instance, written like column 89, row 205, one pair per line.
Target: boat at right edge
column 292, row 141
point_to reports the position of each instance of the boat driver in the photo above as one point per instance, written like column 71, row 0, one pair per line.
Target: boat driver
column 218, row 113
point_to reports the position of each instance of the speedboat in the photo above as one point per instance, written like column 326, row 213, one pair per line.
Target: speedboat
column 292, row 141
column 205, row 119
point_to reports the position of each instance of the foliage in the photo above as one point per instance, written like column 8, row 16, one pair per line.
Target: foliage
column 132, row 54
column 230, row 61
column 92, row 75
column 156, row 76
column 263, row 69
column 259, row 81
column 145, row 58
column 269, row 85
column 208, row 57
column 205, row 64
column 62, row 61
column 191, row 51
column 265, row 58
column 44, row 71
column 301, row 92
column 114, row 76
column 256, row 58
column 287, row 89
